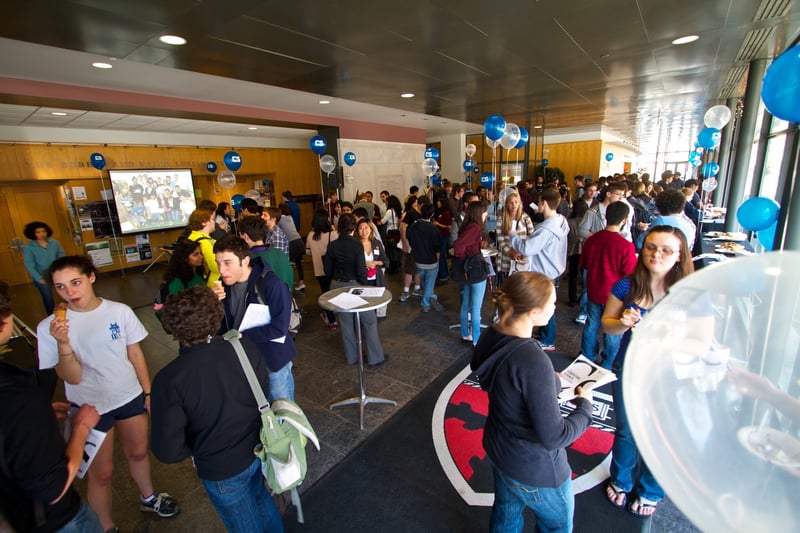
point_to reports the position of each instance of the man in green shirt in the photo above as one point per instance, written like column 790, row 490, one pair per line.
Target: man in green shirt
column 251, row 229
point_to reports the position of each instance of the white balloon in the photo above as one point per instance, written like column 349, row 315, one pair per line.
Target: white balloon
column 470, row 150
column 226, row 179
column 430, row 166
column 709, row 184
column 710, row 383
column 492, row 143
column 510, row 138
column 327, row 163
column 253, row 195
column 717, row 117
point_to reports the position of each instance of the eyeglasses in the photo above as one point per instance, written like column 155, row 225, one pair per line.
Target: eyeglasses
column 666, row 251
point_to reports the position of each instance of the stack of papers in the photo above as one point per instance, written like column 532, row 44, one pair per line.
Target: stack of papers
column 582, row 373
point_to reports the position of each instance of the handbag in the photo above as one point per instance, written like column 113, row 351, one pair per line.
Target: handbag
column 284, row 433
column 471, row 269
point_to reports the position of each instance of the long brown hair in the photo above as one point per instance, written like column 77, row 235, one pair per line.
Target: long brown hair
column 640, row 279
column 520, row 293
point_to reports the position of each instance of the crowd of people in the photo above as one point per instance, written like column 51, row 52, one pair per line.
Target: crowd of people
column 519, row 242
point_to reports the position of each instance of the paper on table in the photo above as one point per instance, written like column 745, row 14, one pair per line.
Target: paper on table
column 582, row 373
column 367, row 292
column 346, row 300
column 93, row 442
column 255, row 315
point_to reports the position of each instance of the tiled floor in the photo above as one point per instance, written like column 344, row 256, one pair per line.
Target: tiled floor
column 419, row 347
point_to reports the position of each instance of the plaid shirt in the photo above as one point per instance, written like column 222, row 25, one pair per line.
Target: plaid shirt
column 524, row 228
column 276, row 238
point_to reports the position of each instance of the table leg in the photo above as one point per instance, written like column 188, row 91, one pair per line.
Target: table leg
column 362, row 400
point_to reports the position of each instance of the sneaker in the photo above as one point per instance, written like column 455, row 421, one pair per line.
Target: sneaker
column 300, row 286
column 417, row 292
column 162, row 504
column 332, row 326
column 437, row 306
column 426, row 308
column 404, row 297
column 581, row 319
column 547, row 347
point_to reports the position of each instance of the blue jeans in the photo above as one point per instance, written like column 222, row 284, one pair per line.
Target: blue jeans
column 554, row 507
column 625, row 458
column 443, row 272
column 281, row 383
column 85, row 521
column 471, row 301
column 47, row 296
column 244, row 503
column 427, row 278
column 584, row 299
column 548, row 332
column 589, row 343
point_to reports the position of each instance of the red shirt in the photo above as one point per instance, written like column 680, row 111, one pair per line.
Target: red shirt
column 607, row 256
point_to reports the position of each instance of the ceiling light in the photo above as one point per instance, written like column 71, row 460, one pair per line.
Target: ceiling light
column 58, row 114
column 407, row 95
column 324, row 102
column 100, row 64
column 686, row 39
column 175, row 40
column 252, row 128
column 537, row 127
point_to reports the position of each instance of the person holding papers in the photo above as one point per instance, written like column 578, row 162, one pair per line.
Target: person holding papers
column 346, row 266
column 258, row 304
column 525, row 435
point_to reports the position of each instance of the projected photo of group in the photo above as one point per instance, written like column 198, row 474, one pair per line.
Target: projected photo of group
column 153, row 200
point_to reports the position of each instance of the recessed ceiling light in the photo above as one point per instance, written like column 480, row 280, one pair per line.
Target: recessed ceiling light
column 407, row 95
column 252, row 128
column 537, row 127
column 100, row 64
column 324, row 102
column 686, row 39
column 58, row 114
column 175, row 40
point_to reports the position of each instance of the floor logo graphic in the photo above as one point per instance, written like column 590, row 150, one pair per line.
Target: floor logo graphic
column 457, row 427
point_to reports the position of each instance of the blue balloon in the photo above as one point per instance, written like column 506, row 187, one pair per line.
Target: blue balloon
column 211, row 166
column 98, row 161
column 767, row 237
column 609, row 156
column 431, row 152
column 545, row 162
column 350, row 159
column 758, row 213
column 318, row 144
column 436, row 181
column 709, row 138
column 232, row 160
column 710, row 169
column 781, row 88
column 487, row 179
column 468, row 164
column 236, row 202
column 524, row 136
column 476, row 170
column 494, row 127
column 694, row 155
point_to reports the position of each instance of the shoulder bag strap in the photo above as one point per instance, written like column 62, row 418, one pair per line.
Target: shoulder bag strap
column 232, row 337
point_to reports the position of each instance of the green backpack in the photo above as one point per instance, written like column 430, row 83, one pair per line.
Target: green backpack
column 285, row 430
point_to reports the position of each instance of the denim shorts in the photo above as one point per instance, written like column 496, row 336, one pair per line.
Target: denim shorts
column 133, row 408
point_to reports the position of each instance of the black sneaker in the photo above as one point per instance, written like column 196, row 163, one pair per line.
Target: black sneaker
column 162, row 504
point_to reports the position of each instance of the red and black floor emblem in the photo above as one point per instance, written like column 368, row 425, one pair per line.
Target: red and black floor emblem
column 457, row 427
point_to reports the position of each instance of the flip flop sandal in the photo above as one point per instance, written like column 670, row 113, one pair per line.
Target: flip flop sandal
column 642, row 505
column 616, row 501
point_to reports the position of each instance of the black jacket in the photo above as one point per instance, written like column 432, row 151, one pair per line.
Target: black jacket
column 425, row 242
column 33, row 461
column 203, row 407
column 525, row 434
column 344, row 260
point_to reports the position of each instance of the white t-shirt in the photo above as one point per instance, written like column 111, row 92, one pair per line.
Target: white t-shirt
column 100, row 339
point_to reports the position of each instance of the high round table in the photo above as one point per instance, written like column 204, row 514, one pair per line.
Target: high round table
column 372, row 303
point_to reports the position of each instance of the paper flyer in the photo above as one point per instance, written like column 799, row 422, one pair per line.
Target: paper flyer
column 582, row 373
column 93, row 443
